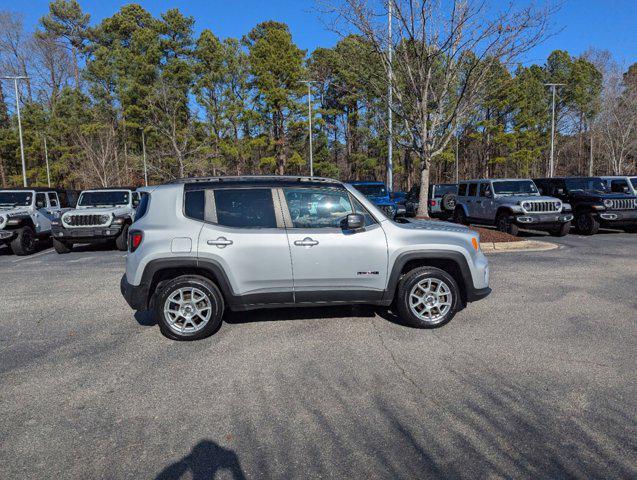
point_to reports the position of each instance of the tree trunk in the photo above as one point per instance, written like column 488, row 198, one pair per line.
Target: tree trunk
column 76, row 70
column 3, row 177
column 423, row 211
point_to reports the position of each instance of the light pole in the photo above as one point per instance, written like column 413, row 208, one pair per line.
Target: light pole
column 553, row 86
column 46, row 158
column 17, row 108
column 309, row 119
column 390, row 160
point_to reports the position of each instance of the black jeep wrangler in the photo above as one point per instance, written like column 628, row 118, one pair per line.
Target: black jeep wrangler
column 593, row 204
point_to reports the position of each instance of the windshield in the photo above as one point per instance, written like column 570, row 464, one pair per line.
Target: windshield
column 15, row 199
column 440, row 190
column 586, row 185
column 105, row 198
column 634, row 182
column 377, row 190
column 515, row 187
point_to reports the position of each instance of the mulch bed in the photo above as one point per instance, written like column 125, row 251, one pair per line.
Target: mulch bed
column 489, row 234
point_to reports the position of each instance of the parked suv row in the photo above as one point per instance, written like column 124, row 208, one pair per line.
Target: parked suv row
column 201, row 246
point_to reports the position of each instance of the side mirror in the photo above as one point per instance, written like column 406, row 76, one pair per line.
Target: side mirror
column 353, row 221
column 559, row 191
column 135, row 203
column 625, row 189
column 488, row 193
column 40, row 204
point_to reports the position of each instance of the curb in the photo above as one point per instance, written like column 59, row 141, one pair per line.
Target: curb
column 524, row 245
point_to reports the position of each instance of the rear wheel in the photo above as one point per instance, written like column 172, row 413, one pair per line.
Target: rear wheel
column 586, row 223
column 24, row 242
column 427, row 297
column 122, row 241
column 62, row 247
column 189, row 307
column 562, row 230
column 505, row 224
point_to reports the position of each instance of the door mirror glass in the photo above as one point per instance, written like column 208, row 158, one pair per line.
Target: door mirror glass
column 353, row 221
column 488, row 193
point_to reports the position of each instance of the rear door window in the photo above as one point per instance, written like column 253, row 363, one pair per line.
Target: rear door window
column 244, row 208
column 462, row 190
column 473, row 189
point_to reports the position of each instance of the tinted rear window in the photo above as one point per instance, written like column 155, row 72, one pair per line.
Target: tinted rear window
column 245, row 208
column 193, row 204
column 142, row 208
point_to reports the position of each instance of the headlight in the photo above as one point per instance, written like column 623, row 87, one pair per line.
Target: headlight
column 526, row 205
column 119, row 221
column 104, row 218
column 558, row 205
column 566, row 207
column 608, row 203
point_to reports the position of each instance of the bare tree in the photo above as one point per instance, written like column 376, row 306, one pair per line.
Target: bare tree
column 14, row 51
column 52, row 66
column 98, row 146
column 443, row 54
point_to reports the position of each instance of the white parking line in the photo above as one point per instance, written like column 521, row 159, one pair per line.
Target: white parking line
column 43, row 252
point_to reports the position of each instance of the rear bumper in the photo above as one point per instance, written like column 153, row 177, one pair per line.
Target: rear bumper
column 543, row 220
column 86, row 234
column 135, row 296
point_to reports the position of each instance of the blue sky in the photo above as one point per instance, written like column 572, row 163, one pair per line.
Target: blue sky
column 609, row 24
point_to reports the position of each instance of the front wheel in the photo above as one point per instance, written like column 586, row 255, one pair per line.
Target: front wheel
column 586, row 223
column 62, row 247
column 24, row 242
column 427, row 297
column 562, row 230
column 460, row 217
column 504, row 224
column 189, row 307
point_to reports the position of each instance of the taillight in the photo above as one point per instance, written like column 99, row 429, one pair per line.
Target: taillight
column 432, row 203
column 135, row 240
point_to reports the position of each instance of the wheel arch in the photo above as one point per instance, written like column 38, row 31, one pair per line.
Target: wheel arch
column 452, row 262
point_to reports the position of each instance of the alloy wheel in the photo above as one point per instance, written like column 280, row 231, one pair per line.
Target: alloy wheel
column 430, row 300
column 187, row 310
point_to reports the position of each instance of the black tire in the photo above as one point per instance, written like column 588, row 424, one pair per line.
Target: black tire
column 630, row 229
column 62, row 247
column 24, row 242
column 212, row 295
column 403, row 297
column 448, row 202
column 121, row 242
column 586, row 223
column 460, row 217
column 562, row 230
column 504, row 224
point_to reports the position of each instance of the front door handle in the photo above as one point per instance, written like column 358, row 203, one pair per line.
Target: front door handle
column 221, row 242
column 306, row 242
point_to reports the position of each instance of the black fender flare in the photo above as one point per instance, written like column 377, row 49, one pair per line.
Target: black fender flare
column 466, row 280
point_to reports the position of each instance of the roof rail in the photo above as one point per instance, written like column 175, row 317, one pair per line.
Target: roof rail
column 263, row 178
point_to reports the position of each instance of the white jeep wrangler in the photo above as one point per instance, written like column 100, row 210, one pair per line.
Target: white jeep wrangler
column 25, row 217
column 100, row 216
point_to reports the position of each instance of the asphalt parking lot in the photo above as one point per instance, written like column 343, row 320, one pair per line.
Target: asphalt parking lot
column 536, row 381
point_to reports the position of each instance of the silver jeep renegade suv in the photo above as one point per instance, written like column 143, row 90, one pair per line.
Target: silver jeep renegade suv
column 199, row 246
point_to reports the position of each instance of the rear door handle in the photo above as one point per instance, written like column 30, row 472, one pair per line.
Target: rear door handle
column 306, row 242
column 220, row 242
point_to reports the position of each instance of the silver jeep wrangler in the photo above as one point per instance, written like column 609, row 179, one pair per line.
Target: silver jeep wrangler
column 200, row 246
column 25, row 217
column 100, row 216
column 510, row 204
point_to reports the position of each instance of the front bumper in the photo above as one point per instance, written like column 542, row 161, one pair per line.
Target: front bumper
column 618, row 218
column 543, row 220
column 6, row 235
column 135, row 296
column 86, row 234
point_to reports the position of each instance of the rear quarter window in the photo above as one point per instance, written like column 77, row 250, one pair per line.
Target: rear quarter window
column 142, row 208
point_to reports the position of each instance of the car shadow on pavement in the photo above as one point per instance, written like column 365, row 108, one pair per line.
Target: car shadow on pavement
column 94, row 247
column 203, row 462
